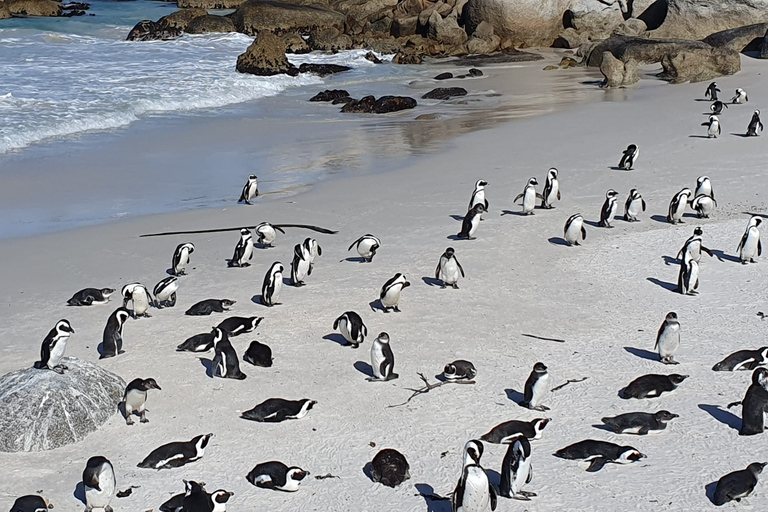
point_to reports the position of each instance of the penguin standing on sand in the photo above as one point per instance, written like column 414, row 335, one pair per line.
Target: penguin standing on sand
column 112, row 339
column 737, row 485
column 99, row 484
column 694, row 246
column 314, row 250
column 704, row 187
column 273, row 284
column 750, row 247
column 677, row 206
column 516, row 470
column 536, row 388
column 382, row 359
column 139, row 297
column 712, row 91
column 688, row 276
column 740, row 96
column 243, row 250
column 608, row 211
column 551, row 189
column 301, row 265
column 478, row 196
column 250, row 190
column 754, row 124
column 352, row 328
column 668, row 339
column 704, row 206
column 225, row 363
column 181, row 258
column 165, row 292
column 390, row 292
column 529, row 196
column 53, row 347
column 471, row 222
column 713, row 127
column 717, row 107
column 448, row 269
column 135, row 398
column 366, row 247
column 474, row 492
column 629, row 157
column 634, row 205
column 267, row 234
column 574, row 229
column 754, row 404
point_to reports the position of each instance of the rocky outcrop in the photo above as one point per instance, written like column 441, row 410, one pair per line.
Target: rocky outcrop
column 524, row 22
column 256, row 16
column 329, row 40
column 182, row 18
column 699, row 65
column 696, row 19
column 4, row 11
column 483, row 40
column 33, row 7
column 764, row 47
column 43, row 410
column 167, row 27
column 739, row 39
column 329, row 95
column 294, row 43
column 209, row 4
column 618, row 73
column 383, row 105
column 210, row 24
column 322, row 69
column 445, row 93
column 265, row 57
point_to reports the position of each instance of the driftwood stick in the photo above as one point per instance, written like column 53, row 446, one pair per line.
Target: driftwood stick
column 543, row 338
column 561, row 386
column 221, row 230
column 427, row 388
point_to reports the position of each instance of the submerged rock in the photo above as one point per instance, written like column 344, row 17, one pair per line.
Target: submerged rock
column 329, row 95
column 444, row 76
column 148, row 30
column 444, row 93
column 322, row 69
column 384, row 105
column 43, row 410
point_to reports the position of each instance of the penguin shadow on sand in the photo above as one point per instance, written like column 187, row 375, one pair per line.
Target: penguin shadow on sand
column 459, row 218
column 515, row 396
column 710, row 489
column 364, row 368
column 645, row 354
column 256, row 299
column 670, row 260
column 722, row 415
column 79, row 492
column 376, row 305
column 721, row 256
column 368, row 470
column 669, row 286
column 431, row 281
column 208, row 364
column 519, row 213
column 355, row 259
column 337, row 338
column 556, row 240
column 434, row 501
column 595, row 223
column 742, row 135
column 698, row 137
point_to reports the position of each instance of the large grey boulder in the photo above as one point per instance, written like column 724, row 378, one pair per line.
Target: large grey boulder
column 696, row 19
column 43, row 410
column 255, row 16
column 739, row 39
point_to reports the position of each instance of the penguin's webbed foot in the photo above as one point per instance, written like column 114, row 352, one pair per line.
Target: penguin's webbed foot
column 144, row 417
column 396, row 309
column 455, row 286
column 520, row 496
column 442, row 286
column 59, row 369
column 541, row 408
column 129, row 420
column 528, row 493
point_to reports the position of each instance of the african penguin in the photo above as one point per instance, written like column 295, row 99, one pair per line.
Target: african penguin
column 382, row 359
column 176, row 502
column 99, row 484
column 478, row 195
column 139, row 297
column 536, row 388
column 219, row 499
column 634, row 205
column 90, row 296
column 704, row 206
column 197, row 343
column 737, row 485
column 135, row 398
column 267, row 234
column 390, row 292
column 459, row 371
column 471, row 222
column 505, row 433
column 712, row 91
column 713, row 127
column 653, row 385
column 668, row 338
column 640, row 423
column 574, row 229
column 225, row 362
column 754, row 124
column 352, row 328
column 749, row 246
column 237, row 325
column 250, row 190
column 243, row 250
column 30, row 503
column 276, row 475
column 629, row 157
column 301, row 265
column 688, row 276
column 272, row 285
column 473, row 452
column 598, row 453
column 529, row 196
column 448, row 269
column 551, row 189
column 677, row 206
column 181, row 258
column 516, row 470
column 608, row 211
column 693, row 246
column 742, row 360
column 367, row 245
column 740, row 96
column 53, row 347
column 112, row 339
column 165, row 292
column 195, row 498
column 717, row 107
column 208, row 306
column 314, row 250
column 258, row 354
column 389, row 467
column 176, row 454
column 275, row 410
column 754, row 404
column 474, row 492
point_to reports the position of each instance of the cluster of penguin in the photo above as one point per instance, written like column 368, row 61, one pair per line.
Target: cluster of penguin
column 713, row 123
column 473, row 492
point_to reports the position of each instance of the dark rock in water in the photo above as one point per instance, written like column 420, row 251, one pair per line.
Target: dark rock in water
column 32, row 7
column 389, row 467
column 322, row 69
column 265, row 57
column 76, row 6
column 362, row 106
column 475, row 72
column 385, row 104
column 148, row 30
column 370, row 56
column 72, row 13
column 344, row 100
column 210, row 24
column 444, row 76
column 43, row 410
column 444, row 93
column 329, row 95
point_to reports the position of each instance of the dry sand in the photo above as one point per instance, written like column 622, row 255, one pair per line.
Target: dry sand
column 609, row 294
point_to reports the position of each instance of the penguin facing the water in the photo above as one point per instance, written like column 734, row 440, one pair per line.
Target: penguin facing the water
column 754, row 124
column 551, row 189
column 668, row 338
column 367, row 245
column 529, row 196
column 272, row 285
column 448, row 269
column 712, row 91
column 390, row 292
column 53, row 347
column 112, row 339
column 749, row 246
column 135, row 398
column 471, row 222
column 574, row 229
column 382, row 359
column 99, row 484
column 608, row 211
column 634, row 205
column 165, row 292
column 737, row 485
column 267, row 234
column 713, row 127
column 351, row 326
column 250, row 190
column 243, row 250
column 181, row 258
column 536, row 388
column 516, row 470
column 629, row 157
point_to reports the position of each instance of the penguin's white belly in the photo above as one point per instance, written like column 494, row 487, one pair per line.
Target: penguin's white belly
column 223, row 365
column 474, row 222
column 553, row 193
column 57, row 352
column 135, row 400
column 364, row 248
column 247, row 252
column 166, row 293
column 183, row 259
column 140, row 302
column 693, row 280
column 669, row 342
column 477, row 497
column 478, row 199
column 301, row 269
column 539, row 390
column 677, row 213
column 344, row 329
column 99, row 499
column 529, row 199
column 694, row 250
column 635, row 207
column 712, row 132
column 268, row 235
column 392, row 296
column 573, row 233
column 749, row 250
column 612, row 211
column 278, row 287
column 521, row 476
column 449, row 272
column 377, row 358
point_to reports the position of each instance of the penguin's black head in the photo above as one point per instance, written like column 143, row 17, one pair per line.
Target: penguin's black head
column 252, row 177
column 760, row 377
column 676, row 378
column 539, row 368
column 756, row 467
column 383, row 337
column 449, row 252
column 698, row 231
column 671, row 315
column 296, row 473
column 533, row 181
column 221, row 496
column 478, row 208
column 255, row 321
column 665, row 416
column 473, row 451
column 245, row 232
column 611, row 193
column 190, row 486
column 758, row 221
column 450, row 369
column 63, row 326
column 310, row 403
column 631, row 454
column 150, row 384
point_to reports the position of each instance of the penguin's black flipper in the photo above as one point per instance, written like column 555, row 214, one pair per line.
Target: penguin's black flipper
column 759, row 248
column 494, row 497
column 518, row 197
column 597, row 464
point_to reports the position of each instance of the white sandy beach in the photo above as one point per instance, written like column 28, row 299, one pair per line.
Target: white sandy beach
column 611, row 293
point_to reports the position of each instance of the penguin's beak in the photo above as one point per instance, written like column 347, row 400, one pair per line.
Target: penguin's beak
column 406, row 284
